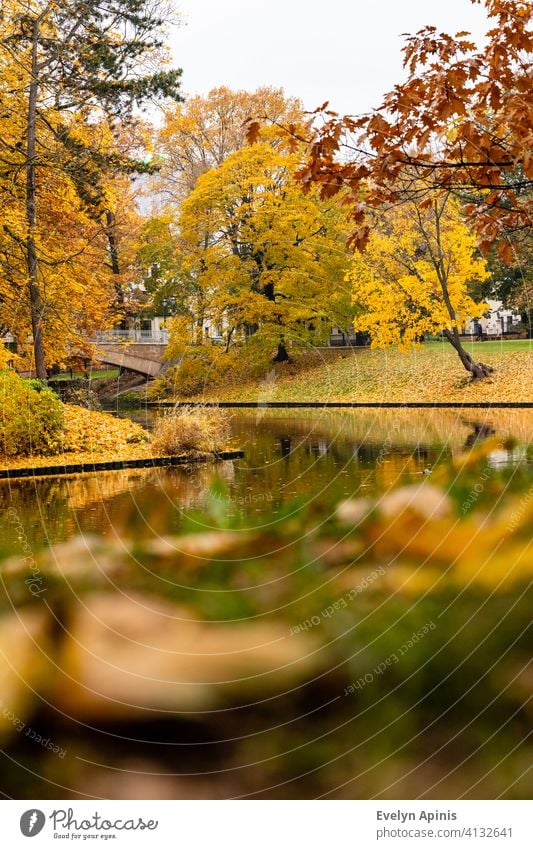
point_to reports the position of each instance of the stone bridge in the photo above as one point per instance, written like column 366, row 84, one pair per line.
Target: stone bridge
column 142, row 355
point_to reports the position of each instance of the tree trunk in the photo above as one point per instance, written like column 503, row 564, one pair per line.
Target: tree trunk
column 113, row 253
column 282, row 355
column 36, row 305
column 479, row 371
column 228, row 340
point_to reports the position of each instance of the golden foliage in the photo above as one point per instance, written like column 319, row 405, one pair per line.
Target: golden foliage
column 7, row 358
column 417, row 528
column 414, row 275
column 201, row 133
column 260, row 255
column 78, row 181
column 76, row 284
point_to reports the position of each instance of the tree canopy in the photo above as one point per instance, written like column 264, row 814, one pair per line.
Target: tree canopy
column 201, row 133
column 414, row 277
column 265, row 258
column 73, row 72
column 461, row 121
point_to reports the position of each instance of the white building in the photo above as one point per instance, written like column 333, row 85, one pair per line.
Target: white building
column 498, row 322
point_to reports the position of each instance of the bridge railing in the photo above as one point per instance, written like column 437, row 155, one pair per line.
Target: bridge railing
column 147, row 337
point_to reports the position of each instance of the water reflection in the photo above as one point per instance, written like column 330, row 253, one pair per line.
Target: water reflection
column 312, row 456
column 480, row 430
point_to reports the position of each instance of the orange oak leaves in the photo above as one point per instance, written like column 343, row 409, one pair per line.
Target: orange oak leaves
column 461, row 122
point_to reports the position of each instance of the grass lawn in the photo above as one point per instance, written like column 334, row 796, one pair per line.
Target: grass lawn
column 102, row 374
column 477, row 348
column 428, row 374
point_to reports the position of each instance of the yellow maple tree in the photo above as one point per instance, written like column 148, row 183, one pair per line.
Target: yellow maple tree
column 264, row 258
column 413, row 277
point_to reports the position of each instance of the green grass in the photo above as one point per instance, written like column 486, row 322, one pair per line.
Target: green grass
column 477, row 348
column 102, row 374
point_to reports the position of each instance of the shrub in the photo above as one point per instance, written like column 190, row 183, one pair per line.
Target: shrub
column 31, row 419
column 81, row 396
column 7, row 357
column 208, row 368
column 181, row 381
column 203, row 429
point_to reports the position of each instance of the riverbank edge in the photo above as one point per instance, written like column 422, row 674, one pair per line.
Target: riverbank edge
column 117, row 465
column 386, row 405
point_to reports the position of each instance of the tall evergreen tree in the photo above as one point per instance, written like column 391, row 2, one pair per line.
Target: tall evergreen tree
column 72, row 60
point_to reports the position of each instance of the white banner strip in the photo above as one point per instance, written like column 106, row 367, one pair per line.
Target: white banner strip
column 268, row 824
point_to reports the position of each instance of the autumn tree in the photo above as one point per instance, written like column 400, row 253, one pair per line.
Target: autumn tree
column 201, row 133
column 105, row 160
column 415, row 275
column 462, row 121
column 77, row 287
column 69, row 64
column 80, row 276
column 163, row 268
column 265, row 259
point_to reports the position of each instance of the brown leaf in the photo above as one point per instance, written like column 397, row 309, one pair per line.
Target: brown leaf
column 252, row 132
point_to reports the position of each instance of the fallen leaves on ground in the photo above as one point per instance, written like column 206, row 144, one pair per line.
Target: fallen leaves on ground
column 93, row 437
column 87, row 430
column 427, row 375
column 88, row 437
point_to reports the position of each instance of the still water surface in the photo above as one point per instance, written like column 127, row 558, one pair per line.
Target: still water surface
column 317, row 457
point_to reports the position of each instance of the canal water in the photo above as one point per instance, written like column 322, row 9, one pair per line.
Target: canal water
column 291, row 458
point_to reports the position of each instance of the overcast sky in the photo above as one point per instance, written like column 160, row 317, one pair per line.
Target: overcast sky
column 344, row 51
